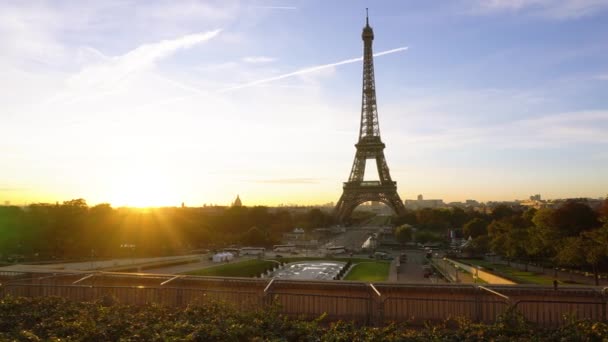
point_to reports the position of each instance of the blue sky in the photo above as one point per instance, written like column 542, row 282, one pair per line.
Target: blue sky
column 159, row 102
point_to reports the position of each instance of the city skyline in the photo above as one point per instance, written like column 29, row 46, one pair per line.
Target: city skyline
column 196, row 102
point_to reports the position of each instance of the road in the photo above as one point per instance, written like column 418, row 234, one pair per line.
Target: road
column 412, row 271
column 99, row 264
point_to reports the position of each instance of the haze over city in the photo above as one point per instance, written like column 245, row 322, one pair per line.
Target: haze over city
column 195, row 102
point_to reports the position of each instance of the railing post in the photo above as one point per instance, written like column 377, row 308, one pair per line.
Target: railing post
column 477, row 297
column 605, row 305
column 506, row 298
column 379, row 304
column 267, row 294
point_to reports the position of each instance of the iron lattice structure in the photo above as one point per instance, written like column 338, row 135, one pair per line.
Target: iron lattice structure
column 370, row 146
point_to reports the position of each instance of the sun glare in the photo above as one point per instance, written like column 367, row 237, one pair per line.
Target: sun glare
column 143, row 188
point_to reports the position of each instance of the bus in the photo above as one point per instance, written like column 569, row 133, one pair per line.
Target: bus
column 252, row 251
column 234, row 251
column 284, row 248
column 336, row 250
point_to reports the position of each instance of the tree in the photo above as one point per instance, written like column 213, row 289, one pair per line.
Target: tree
column 528, row 215
column 589, row 248
column 424, row 236
column 478, row 245
column 458, row 217
column 502, row 211
column 574, row 217
column 544, row 235
column 475, row 227
column 435, row 219
column 403, row 233
column 255, row 237
column 315, row 218
column 603, row 211
column 507, row 239
column 409, row 217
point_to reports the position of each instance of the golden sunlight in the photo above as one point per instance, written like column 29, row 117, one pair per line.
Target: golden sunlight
column 144, row 187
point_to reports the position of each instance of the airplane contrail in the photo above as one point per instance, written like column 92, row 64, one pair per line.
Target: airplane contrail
column 265, row 80
column 308, row 70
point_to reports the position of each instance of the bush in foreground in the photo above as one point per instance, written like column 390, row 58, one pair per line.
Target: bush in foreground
column 42, row 319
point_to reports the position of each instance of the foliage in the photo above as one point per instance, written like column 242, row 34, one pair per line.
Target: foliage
column 73, row 230
column 424, row 236
column 54, row 319
column 403, row 233
column 479, row 246
column 475, row 227
column 574, row 217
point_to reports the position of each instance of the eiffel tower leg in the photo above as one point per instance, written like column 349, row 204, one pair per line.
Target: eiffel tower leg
column 396, row 203
column 344, row 207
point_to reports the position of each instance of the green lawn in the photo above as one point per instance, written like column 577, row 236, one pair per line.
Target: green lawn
column 521, row 277
column 369, row 271
column 247, row 268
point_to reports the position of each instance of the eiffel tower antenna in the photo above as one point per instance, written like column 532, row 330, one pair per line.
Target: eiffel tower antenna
column 357, row 191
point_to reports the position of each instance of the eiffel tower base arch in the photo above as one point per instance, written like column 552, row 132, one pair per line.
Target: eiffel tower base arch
column 356, row 194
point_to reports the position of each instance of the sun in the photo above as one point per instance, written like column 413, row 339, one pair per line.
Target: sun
column 142, row 188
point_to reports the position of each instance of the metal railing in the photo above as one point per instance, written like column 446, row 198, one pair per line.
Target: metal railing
column 377, row 304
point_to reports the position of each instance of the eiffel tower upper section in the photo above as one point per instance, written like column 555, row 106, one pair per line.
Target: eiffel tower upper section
column 370, row 144
column 369, row 131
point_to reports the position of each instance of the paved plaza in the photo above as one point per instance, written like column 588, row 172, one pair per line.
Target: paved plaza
column 310, row 270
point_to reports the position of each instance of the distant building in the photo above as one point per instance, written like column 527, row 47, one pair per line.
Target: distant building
column 421, row 203
column 296, row 235
column 534, row 202
column 469, row 204
column 212, row 210
column 237, row 202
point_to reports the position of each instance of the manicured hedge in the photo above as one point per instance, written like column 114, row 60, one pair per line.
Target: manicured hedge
column 43, row 319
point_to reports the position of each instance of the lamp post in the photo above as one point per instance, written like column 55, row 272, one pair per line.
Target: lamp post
column 131, row 250
column 555, row 272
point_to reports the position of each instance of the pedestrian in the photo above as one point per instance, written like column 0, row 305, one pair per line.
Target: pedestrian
column 555, row 284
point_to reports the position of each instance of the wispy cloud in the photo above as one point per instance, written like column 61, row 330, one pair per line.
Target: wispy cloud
column 11, row 189
column 582, row 127
column 107, row 73
column 554, row 9
column 258, row 59
column 601, row 77
column 277, row 7
column 309, row 70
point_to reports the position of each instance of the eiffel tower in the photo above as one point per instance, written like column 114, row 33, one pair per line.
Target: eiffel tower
column 370, row 146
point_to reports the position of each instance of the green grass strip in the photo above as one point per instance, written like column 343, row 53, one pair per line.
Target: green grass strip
column 369, row 271
column 246, row 268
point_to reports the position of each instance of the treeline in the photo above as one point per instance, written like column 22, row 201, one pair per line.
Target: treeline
column 75, row 230
column 572, row 235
